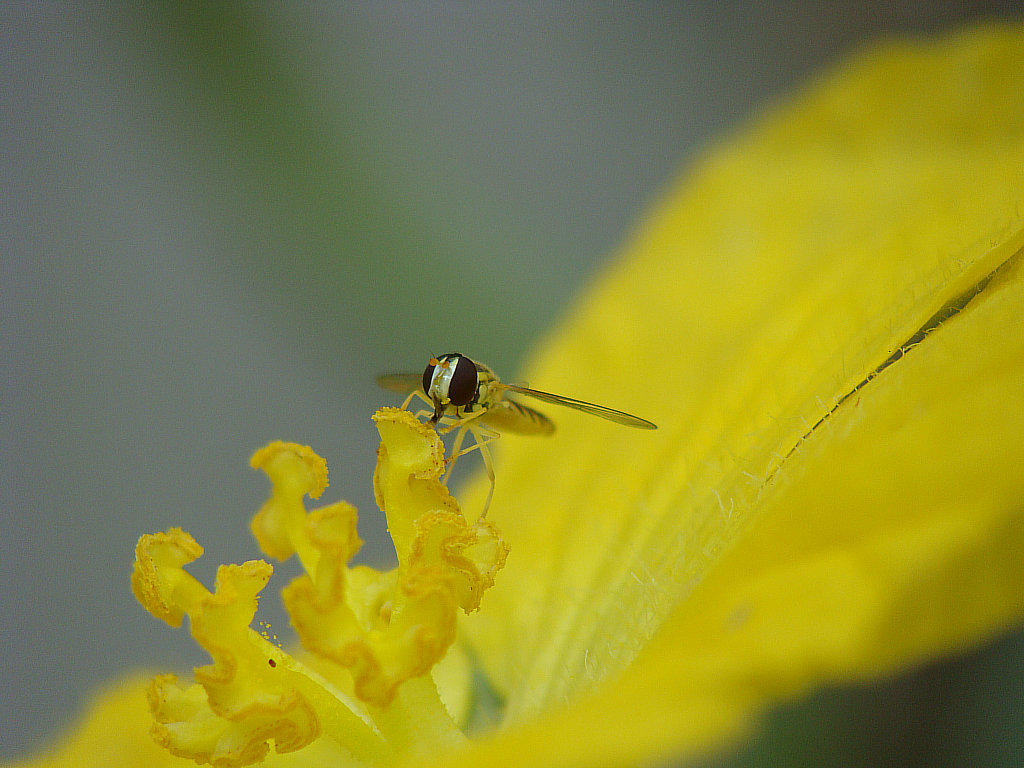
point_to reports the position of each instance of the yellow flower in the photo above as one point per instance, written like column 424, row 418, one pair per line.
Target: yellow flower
column 825, row 321
column 370, row 634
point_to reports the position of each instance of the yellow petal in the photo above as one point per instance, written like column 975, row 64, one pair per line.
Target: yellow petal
column 834, row 489
column 121, row 710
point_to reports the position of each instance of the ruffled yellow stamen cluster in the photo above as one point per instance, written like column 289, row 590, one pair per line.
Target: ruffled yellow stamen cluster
column 370, row 633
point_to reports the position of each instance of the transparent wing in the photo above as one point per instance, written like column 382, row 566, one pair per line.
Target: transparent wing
column 400, row 382
column 625, row 419
column 508, row 415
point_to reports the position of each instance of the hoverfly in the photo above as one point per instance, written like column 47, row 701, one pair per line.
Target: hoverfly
column 468, row 396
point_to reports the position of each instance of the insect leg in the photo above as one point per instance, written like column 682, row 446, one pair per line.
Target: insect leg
column 485, row 454
column 463, row 424
column 482, row 436
column 456, row 451
column 477, row 430
column 421, row 396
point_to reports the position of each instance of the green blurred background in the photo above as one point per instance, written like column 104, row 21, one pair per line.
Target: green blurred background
column 221, row 220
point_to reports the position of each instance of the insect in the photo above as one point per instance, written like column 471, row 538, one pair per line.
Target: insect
column 468, row 396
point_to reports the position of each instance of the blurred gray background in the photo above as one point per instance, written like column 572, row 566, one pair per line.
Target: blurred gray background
column 219, row 222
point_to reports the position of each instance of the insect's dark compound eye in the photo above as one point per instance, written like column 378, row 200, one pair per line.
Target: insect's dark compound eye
column 428, row 375
column 462, row 387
